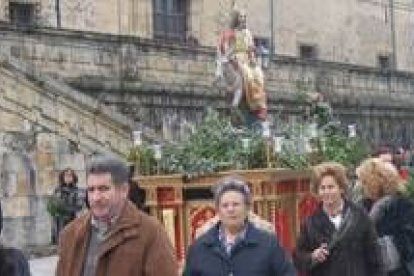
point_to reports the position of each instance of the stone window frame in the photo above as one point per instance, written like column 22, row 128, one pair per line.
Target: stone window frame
column 33, row 22
column 308, row 51
column 384, row 61
column 170, row 19
column 263, row 41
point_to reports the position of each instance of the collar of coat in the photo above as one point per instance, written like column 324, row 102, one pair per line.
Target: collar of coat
column 325, row 226
column 251, row 238
column 126, row 227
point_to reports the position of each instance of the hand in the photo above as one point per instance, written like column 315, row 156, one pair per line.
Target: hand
column 321, row 253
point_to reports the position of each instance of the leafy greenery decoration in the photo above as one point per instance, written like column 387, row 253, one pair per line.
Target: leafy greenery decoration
column 216, row 146
column 410, row 185
column 55, row 207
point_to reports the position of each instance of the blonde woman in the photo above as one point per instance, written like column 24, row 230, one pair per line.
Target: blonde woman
column 391, row 211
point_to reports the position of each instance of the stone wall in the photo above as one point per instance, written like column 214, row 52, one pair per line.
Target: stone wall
column 46, row 126
column 353, row 32
column 167, row 86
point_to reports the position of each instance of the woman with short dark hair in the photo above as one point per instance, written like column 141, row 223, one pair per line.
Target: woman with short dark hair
column 69, row 199
column 339, row 238
column 234, row 246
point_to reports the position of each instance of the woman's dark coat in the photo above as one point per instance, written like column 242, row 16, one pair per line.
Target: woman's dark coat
column 353, row 248
column 72, row 201
column 259, row 254
column 396, row 219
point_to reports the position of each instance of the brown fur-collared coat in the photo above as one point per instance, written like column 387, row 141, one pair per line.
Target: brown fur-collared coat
column 137, row 245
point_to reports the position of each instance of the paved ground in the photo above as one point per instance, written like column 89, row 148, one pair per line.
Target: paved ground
column 43, row 266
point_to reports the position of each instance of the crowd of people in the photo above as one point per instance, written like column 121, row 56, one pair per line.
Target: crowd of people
column 372, row 234
column 359, row 229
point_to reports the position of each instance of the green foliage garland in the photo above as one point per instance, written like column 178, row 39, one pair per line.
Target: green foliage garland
column 216, row 145
column 410, row 186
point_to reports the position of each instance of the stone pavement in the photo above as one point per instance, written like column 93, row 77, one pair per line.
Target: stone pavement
column 44, row 266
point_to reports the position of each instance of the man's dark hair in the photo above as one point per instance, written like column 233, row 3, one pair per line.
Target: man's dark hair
column 118, row 169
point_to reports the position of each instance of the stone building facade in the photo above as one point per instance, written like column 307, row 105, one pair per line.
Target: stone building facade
column 66, row 93
column 361, row 32
column 166, row 86
column 46, row 126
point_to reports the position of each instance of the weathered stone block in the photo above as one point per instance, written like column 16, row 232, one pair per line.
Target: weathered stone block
column 81, row 55
column 23, row 184
column 103, row 58
column 81, row 178
column 9, row 184
column 76, row 161
column 45, row 160
column 47, row 181
column 9, row 121
column 16, row 206
column 46, row 142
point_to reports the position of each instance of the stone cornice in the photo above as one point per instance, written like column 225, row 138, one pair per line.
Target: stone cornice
column 167, row 45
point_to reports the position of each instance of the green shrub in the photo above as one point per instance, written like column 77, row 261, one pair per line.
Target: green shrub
column 55, row 207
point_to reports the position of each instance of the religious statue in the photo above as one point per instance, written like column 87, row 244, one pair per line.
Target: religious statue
column 240, row 72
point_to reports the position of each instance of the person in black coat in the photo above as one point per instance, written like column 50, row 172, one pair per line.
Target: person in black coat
column 339, row 238
column 71, row 201
column 391, row 211
column 136, row 194
column 12, row 261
